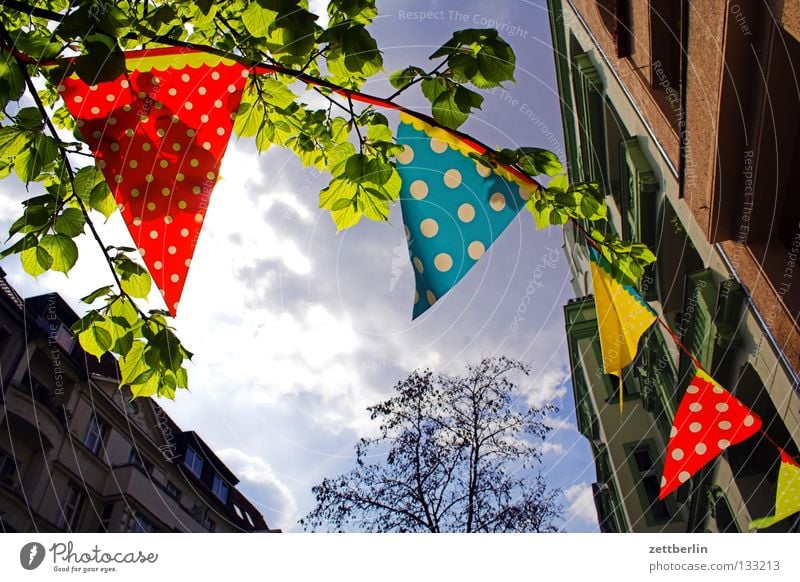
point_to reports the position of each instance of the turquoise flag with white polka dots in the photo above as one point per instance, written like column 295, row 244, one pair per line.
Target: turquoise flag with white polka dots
column 453, row 207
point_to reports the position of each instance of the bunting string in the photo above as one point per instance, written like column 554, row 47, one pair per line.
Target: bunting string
column 707, row 410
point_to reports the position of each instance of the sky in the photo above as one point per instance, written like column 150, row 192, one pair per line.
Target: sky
column 296, row 329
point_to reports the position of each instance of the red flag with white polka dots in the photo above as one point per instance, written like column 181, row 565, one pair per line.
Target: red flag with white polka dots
column 158, row 134
column 708, row 421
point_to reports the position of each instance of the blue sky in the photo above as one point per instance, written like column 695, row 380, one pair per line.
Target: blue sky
column 297, row 329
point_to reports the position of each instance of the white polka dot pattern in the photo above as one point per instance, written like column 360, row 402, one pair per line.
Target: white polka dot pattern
column 453, row 209
column 708, row 421
column 160, row 160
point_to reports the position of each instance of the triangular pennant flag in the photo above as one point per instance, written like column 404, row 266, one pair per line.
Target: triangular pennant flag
column 453, row 207
column 158, row 133
column 622, row 316
column 787, row 498
column 709, row 420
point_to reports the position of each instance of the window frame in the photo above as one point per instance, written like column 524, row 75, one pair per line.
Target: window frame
column 98, row 430
column 195, row 457
column 70, row 506
column 218, row 487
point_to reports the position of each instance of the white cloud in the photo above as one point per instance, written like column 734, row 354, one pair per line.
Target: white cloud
column 546, row 387
column 552, row 448
column 272, row 495
column 580, row 503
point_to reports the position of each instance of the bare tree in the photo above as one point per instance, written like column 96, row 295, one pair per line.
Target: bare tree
column 454, row 454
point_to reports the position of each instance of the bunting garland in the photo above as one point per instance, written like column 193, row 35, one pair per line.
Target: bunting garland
column 622, row 316
column 709, row 420
column 453, row 207
column 787, row 498
column 159, row 133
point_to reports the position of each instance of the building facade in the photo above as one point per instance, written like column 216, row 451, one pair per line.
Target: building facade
column 674, row 108
column 78, row 455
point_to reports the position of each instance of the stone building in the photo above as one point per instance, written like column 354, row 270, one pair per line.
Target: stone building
column 688, row 114
column 76, row 454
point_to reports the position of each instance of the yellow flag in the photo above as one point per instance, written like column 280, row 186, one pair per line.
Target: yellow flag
column 622, row 318
column 787, row 499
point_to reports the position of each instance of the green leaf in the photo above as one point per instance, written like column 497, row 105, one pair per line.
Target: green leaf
column 447, row 112
column 558, row 184
column 338, row 189
column 249, row 118
column 123, row 344
column 145, row 384
column 356, row 167
column 347, row 217
column 122, row 308
column 132, row 364
column 70, row 222
column 63, row 250
column 92, row 316
column 29, row 163
column 496, row 63
column 642, row 253
column 13, row 140
column 338, row 156
column 95, row 340
column 433, row 87
column 134, row 279
column 537, row 161
column 169, row 349
column 102, row 61
column 541, row 212
column 102, row 200
column 29, row 118
column 63, row 119
column 377, row 172
column 467, row 100
column 34, row 44
column 36, row 260
column 257, row 19
column 27, row 242
column 85, row 180
column 405, row 76
column 277, row 93
column 33, row 218
column 97, row 293
column 361, row 11
column 379, row 133
column 12, row 80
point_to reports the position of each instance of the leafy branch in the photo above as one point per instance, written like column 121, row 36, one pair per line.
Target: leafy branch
column 334, row 61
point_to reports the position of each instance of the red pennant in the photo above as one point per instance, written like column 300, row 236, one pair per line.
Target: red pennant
column 159, row 133
column 708, row 421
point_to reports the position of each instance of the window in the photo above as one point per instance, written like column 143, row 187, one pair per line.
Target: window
column 210, row 524
column 105, row 517
column 4, row 340
column 142, row 525
column 238, row 511
column 649, row 481
column 193, row 461
column 135, row 458
column 64, row 338
column 95, row 434
column 220, row 489
column 173, row 491
column 70, row 508
column 7, row 468
column 249, row 519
